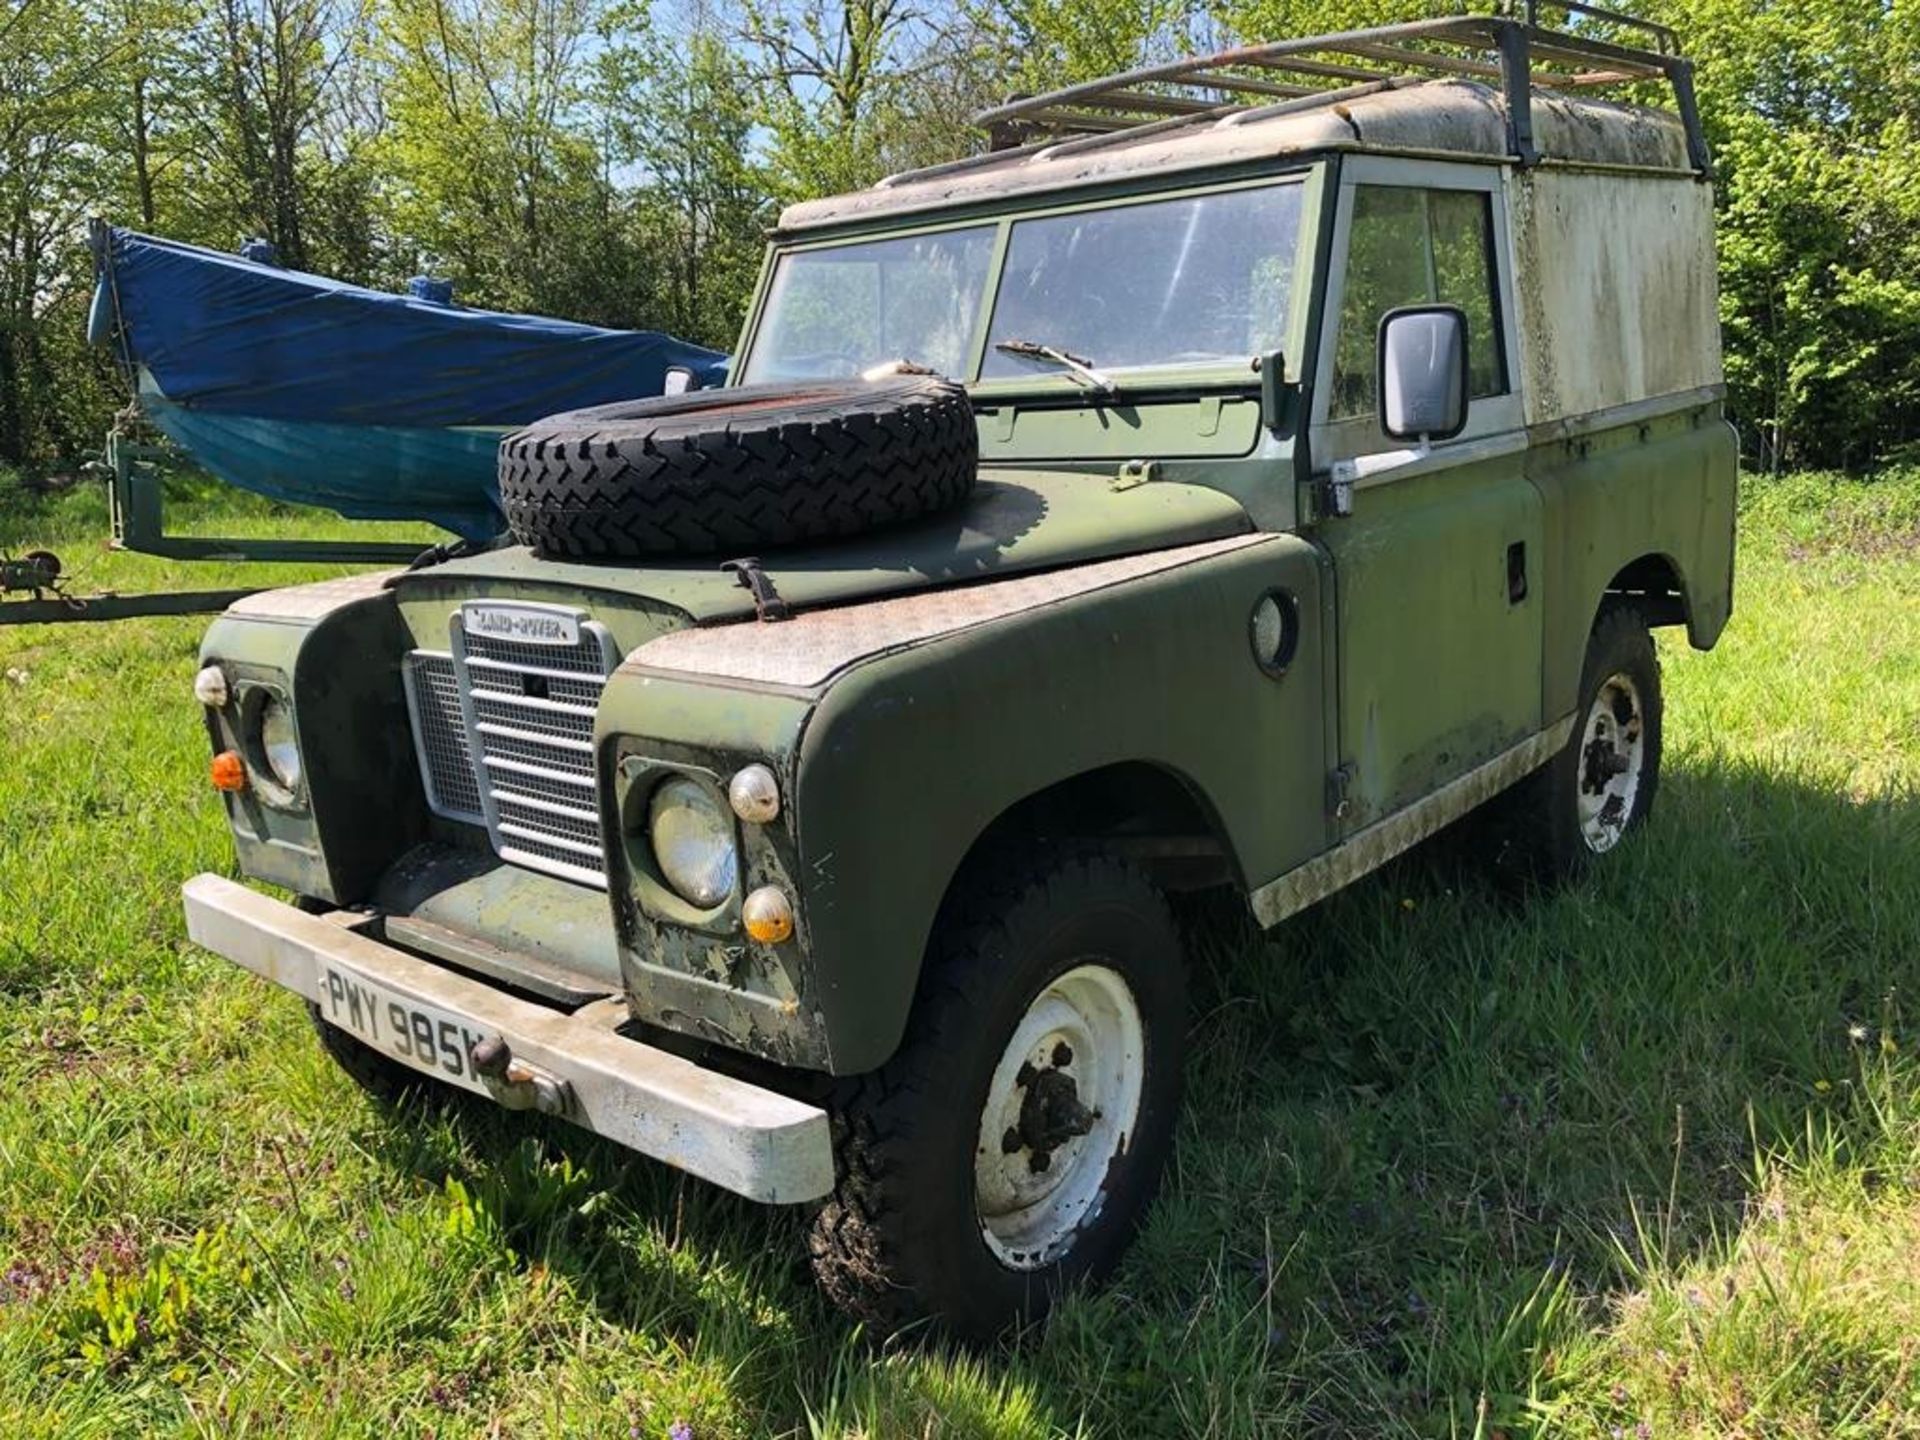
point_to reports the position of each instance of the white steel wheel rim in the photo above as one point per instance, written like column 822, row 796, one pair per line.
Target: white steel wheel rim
column 1060, row 1109
column 1612, row 762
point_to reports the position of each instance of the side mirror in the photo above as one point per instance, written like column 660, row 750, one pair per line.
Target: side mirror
column 679, row 380
column 1423, row 372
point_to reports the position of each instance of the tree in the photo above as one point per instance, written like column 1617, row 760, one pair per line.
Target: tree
column 684, row 116
column 1811, row 107
column 490, row 153
column 55, row 63
column 837, row 79
column 268, row 78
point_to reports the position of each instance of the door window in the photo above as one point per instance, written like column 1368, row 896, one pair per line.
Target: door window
column 1412, row 246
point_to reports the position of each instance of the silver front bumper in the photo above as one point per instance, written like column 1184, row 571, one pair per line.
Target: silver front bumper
column 750, row 1140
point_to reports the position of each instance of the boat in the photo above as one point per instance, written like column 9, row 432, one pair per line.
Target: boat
column 377, row 406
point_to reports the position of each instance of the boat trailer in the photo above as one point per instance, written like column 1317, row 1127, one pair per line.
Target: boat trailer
column 137, row 501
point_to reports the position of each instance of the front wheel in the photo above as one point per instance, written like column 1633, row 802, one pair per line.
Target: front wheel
column 1010, row 1146
column 381, row 1076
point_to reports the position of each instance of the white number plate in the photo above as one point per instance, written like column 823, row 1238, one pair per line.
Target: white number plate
column 423, row 1036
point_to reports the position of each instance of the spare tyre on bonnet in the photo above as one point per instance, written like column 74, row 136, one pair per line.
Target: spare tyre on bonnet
column 726, row 470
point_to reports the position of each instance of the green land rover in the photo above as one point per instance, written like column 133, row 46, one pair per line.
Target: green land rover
column 1244, row 468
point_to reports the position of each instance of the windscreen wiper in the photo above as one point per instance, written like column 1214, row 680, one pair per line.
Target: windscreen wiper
column 1077, row 366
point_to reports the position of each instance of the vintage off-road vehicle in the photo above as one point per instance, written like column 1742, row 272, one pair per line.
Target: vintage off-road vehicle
column 1247, row 467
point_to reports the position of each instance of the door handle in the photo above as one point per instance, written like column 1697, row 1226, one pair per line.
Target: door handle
column 1516, row 572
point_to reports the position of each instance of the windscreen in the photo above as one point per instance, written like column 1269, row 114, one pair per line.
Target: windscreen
column 834, row 312
column 1193, row 281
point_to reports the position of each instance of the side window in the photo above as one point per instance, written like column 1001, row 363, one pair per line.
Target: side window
column 1416, row 247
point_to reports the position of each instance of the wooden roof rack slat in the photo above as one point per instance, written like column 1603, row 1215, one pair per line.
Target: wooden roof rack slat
column 1424, row 59
column 1329, row 70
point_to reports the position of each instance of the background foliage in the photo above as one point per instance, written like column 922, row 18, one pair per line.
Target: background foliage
column 616, row 163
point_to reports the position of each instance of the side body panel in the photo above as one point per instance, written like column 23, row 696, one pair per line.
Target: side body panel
column 1615, row 280
column 1622, row 380
column 1627, row 488
column 1439, row 661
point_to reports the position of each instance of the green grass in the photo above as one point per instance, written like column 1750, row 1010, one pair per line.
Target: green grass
column 1641, row 1157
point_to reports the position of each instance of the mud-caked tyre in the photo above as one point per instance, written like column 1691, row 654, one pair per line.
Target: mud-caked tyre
column 727, row 472
column 1599, row 788
column 1010, row 1147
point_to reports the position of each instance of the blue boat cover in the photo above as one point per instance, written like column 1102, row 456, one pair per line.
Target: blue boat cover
column 222, row 348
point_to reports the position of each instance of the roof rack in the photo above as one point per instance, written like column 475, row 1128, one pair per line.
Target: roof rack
column 1255, row 81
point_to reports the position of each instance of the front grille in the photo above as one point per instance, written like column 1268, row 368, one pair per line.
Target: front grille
column 440, row 736
column 523, row 764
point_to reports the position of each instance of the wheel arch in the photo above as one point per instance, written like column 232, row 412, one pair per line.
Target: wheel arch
column 1655, row 584
column 1144, row 810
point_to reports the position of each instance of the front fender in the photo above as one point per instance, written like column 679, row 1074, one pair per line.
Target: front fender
column 911, row 754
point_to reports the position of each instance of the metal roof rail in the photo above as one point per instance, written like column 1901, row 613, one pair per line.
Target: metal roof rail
column 1509, row 48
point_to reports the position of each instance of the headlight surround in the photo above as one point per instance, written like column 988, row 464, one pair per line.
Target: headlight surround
column 691, row 830
column 279, row 744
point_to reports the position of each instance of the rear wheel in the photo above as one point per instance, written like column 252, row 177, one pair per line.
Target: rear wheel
column 1010, row 1146
column 1601, row 786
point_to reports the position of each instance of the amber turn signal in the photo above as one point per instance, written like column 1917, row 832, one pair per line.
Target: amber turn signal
column 228, row 772
column 768, row 915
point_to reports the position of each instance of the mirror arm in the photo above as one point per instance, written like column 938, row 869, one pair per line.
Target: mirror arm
column 1343, row 475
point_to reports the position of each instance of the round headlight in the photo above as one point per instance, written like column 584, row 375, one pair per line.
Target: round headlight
column 278, row 745
column 693, row 841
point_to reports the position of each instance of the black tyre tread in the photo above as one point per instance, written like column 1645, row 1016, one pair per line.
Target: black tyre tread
column 864, row 1256
column 386, row 1079
column 1534, row 825
column 620, row 481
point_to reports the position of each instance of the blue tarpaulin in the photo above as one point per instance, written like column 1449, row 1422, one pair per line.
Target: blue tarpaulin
column 375, row 405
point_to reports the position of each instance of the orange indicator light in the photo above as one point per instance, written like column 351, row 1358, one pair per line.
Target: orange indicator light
column 768, row 915
column 228, row 772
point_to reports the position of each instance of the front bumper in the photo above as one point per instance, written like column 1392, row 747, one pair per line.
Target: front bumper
column 748, row 1139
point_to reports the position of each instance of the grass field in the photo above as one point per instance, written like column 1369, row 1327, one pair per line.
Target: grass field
column 1640, row 1158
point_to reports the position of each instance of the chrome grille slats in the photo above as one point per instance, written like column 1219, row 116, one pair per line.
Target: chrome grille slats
column 525, row 725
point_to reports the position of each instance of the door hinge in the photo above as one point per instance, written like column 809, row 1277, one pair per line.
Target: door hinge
column 1337, row 495
column 1340, row 791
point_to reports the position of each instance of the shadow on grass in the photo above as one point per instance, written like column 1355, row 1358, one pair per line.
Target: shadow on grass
column 1427, row 1125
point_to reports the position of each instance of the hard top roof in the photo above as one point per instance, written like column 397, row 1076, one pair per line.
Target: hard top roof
column 1421, row 88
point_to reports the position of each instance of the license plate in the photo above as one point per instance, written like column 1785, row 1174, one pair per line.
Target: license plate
column 422, row 1035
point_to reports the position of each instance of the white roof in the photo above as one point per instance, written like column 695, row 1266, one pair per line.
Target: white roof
column 1456, row 119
